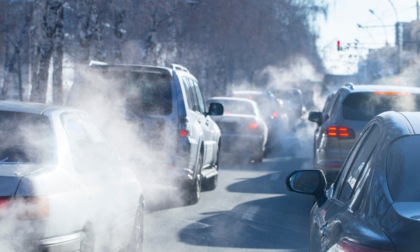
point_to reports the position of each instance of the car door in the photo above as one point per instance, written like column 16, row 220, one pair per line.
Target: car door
column 210, row 129
column 327, row 219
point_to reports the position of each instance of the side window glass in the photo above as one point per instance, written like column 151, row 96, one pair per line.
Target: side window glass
column 191, row 98
column 200, row 99
column 364, row 151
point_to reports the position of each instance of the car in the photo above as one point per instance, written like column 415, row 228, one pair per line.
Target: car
column 346, row 113
column 176, row 141
column 63, row 186
column 273, row 113
column 373, row 204
column 293, row 103
column 241, row 123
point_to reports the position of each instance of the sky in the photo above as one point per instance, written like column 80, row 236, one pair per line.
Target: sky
column 371, row 22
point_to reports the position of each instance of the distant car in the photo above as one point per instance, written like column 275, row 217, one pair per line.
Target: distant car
column 293, row 102
column 345, row 114
column 273, row 113
column 62, row 185
column 374, row 203
column 178, row 142
column 244, row 132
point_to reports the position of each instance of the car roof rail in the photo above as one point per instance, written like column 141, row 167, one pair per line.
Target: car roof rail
column 178, row 67
column 349, row 85
column 97, row 63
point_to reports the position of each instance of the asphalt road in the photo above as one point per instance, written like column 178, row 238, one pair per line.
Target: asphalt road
column 250, row 210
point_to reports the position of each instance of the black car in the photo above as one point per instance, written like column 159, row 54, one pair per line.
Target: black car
column 373, row 205
column 175, row 142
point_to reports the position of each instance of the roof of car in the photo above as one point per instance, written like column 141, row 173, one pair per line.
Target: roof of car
column 27, row 107
column 232, row 99
column 373, row 88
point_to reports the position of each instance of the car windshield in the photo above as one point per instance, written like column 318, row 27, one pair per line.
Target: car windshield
column 237, row 107
column 403, row 169
column 366, row 105
column 25, row 138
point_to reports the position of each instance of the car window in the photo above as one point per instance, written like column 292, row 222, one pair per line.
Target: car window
column 237, row 107
column 200, row 98
column 148, row 93
column 355, row 164
column 192, row 99
column 26, row 138
column 89, row 147
column 402, row 169
column 364, row 106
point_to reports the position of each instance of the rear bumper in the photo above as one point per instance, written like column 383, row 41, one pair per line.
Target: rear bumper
column 69, row 242
column 240, row 144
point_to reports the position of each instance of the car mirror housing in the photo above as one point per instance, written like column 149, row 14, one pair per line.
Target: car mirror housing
column 311, row 182
column 215, row 109
column 315, row 117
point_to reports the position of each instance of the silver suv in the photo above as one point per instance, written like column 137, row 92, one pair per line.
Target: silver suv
column 345, row 114
column 179, row 142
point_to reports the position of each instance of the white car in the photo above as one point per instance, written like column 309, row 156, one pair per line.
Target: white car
column 62, row 185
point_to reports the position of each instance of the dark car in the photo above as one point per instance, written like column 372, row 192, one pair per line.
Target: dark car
column 63, row 186
column 293, row 103
column 273, row 113
column 374, row 203
column 178, row 142
column 346, row 113
column 244, row 132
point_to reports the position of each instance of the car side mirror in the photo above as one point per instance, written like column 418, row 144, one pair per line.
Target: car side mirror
column 215, row 109
column 315, row 117
column 311, row 182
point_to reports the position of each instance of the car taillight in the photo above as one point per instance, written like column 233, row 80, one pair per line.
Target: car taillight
column 25, row 208
column 391, row 93
column 253, row 126
column 183, row 133
column 183, row 127
column 340, row 132
column 275, row 114
column 349, row 246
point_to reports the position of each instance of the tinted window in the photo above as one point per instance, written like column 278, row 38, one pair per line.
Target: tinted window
column 148, row 93
column 403, row 169
column 356, row 163
column 365, row 106
column 26, row 138
column 237, row 107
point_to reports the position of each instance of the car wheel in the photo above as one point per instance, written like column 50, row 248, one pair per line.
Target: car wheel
column 192, row 192
column 136, row 241
column 87, row 240
column 211, row 183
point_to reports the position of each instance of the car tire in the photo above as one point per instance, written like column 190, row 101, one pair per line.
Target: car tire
column 192, row 192
column 136, row 240
column 87, row 240
column 211, row 183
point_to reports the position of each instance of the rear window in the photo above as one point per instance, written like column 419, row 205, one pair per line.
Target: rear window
column 139, row 93
column 403, row 169
column 148, row 93
column 25, row 138
column 365, row 106
column 237, row 107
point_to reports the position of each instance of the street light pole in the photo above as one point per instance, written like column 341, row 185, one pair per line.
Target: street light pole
column 383, row 25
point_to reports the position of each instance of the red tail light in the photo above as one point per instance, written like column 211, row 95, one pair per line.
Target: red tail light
column 391, row 93
column 275, row 114
column 183, row 133
column 340, row 132
column 27, row 208
column 253, row 125
column 348, row 246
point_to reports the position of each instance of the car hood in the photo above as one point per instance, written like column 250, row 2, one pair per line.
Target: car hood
column 11, row 174
column 401, row 223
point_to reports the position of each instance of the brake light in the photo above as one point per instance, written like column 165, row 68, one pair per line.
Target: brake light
column 391, row 93
column 349, row 246
column 340, row 132
column 253, row 126
column 275, row 114
column 25, row 208
column 183, row 133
